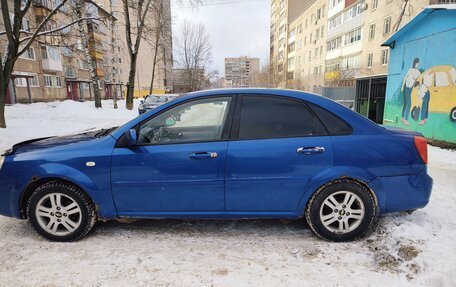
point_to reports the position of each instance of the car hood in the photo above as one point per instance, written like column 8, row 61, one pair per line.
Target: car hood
column 146, row 106
column 49, row 142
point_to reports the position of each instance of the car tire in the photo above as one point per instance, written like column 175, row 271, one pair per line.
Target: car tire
column 60, row 211
column 453, row 115
column 340, row 211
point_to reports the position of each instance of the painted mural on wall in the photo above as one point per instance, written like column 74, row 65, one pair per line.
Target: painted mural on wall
column 425, row 101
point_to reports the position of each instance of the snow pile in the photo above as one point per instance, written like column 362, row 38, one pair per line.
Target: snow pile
column 404, row 250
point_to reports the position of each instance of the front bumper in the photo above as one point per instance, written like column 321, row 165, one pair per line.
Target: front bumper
column 402, row 193
column 9, row 193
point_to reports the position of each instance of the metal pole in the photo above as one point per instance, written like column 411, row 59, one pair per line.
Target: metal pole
column 28, row 90
column 368, row 98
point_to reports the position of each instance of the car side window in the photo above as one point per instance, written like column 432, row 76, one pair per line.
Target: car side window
column 441, row 79
column 265, row 117
column 200, row 120
column 334, row 124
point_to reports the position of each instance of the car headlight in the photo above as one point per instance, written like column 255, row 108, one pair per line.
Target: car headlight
column 2, row 159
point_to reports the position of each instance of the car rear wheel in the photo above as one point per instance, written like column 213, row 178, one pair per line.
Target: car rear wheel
column 341, row 211
column 60, row 211
column 453, row 115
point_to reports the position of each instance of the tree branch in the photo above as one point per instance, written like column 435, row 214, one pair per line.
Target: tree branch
column 47, row 32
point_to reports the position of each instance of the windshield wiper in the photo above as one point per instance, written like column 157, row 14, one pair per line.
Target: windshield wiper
column 104, row 132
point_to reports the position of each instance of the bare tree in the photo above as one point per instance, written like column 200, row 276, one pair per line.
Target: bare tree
column 137, row 10
column 193, row 54
column 80, row 8
column 266, row 77
column 114, row 59
column 157, row 31
column 20, row 40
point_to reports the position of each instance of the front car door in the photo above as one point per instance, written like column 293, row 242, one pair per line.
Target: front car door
column 277, row 147
column 178, row 164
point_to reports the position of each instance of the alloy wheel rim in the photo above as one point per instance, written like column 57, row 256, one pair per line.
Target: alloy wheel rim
column 342, row 212
column 58, row 214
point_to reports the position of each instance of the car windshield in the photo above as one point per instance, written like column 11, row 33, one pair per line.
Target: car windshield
column 155, row 99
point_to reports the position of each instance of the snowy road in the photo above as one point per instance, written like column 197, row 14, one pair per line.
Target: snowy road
column 405, row 250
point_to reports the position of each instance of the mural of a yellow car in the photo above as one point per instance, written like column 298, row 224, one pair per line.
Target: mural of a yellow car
column 441, row 83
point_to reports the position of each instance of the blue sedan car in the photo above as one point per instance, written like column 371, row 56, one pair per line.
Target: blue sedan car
column 238, row 153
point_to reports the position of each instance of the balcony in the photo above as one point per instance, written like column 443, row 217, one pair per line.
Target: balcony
column 99, row 72
column 96, row 54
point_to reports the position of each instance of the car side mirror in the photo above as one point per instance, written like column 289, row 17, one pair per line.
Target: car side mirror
column 171, row 121
column 131, row 137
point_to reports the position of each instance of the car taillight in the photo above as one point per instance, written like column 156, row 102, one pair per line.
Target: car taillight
column 421, row 147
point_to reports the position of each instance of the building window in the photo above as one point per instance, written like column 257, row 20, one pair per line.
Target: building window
column 371, row 31
column 52, row 81
column 334, row 44
column 47, row 81
column 369, row 60
column 322, row 31
column 352, row 36
column 335, row 21
column 387, row 26
column 374, row 4
column 384, row 57
column 44, row 54
column 58, row 81
column 29, row 54
column 350, row 62
column 33, row 82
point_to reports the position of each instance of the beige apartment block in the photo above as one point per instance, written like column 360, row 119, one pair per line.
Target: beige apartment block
column 241, row 72
column 163, row 80
column 307, row 47
column 381, row 19
column 282, row 13
column 56, row 66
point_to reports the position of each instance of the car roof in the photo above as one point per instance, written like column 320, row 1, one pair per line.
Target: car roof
column 360, row 124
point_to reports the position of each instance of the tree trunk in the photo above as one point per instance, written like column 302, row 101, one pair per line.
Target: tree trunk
column 80, row 7
column 153, row 71
column 131, row 81
column 3, row 90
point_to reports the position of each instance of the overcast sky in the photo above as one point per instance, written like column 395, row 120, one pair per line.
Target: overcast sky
column 239, row 28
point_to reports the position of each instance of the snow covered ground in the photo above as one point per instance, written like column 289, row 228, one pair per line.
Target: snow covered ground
column 405, row 250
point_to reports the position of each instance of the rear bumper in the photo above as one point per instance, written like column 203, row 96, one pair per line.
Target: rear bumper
column 402, row 193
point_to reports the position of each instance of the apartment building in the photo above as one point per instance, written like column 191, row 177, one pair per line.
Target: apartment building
column 55, row 67
column 307, row 47
column 240, row 72
column 282, row 13
column 345, row 55
column 163, row 80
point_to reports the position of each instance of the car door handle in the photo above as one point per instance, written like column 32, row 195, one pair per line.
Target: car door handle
column 203, row 155
column 310, row 150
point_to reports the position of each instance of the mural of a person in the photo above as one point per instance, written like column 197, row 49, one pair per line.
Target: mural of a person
column 424, row 95
column 407, row 86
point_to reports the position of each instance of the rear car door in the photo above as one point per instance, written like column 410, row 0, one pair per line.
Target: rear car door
column 178, row 164
column 277, row 146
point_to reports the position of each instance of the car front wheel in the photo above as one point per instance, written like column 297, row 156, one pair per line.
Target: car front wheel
column 60, row 211
column 341, row 211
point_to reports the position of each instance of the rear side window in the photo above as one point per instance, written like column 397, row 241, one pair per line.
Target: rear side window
column 334, row 124
column 272, row 117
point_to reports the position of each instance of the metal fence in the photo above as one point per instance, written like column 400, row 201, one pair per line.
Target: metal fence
column 343, row 95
